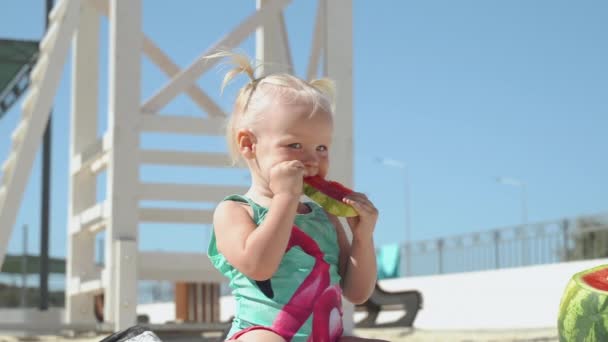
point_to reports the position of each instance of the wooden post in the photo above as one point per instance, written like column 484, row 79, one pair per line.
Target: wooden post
column 126, row 42
column 197, row 302
column 80, row 261
column 181, row 302
column 338, row 63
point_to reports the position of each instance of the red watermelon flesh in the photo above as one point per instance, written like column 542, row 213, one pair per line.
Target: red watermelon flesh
column 598, row 279
column 332, row 189
column 329, row 195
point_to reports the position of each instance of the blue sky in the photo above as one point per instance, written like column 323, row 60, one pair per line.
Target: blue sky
column 461, row 91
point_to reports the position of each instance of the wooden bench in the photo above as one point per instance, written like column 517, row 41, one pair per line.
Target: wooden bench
column 410, row 301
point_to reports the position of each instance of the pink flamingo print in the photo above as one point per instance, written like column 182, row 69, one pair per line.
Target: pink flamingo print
column 314, row 295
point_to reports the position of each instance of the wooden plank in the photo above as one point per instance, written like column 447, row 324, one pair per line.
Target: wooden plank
column 91, row 220
column 318, row 41
column 91, row 287
column 161, row 157
column 272, row 44
column 19, row 132
column 338, row 65
column 125, row 283
column 186, row 267
column 171, row 69
column 189, row 75
column 28, row 101
column 58, row 10
column 187, row 192
column 181, row 301
column 40, row 113
column 8, row 166
column 125, row 25
column 94, row 152
column 49, row 38
column 39, row 69
column 181, row 124
column 2, row 194
column 162, row 215
column 164, row 62
column 84, row 147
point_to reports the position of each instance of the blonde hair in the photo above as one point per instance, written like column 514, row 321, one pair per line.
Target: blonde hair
column 259, row 93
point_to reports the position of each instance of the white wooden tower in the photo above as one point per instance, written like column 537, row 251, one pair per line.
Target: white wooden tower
column 75, row 24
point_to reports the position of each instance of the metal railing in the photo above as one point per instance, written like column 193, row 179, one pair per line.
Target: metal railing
column 580, row 238
column 584, row 237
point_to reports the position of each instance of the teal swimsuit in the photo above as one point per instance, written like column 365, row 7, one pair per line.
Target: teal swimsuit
column 303, row 297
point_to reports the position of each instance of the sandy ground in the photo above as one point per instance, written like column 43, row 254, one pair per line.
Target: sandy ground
column 398, row 335
column 389, row 334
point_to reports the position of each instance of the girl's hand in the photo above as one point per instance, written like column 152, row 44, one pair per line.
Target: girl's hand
column 363, row 225
column 287, row 178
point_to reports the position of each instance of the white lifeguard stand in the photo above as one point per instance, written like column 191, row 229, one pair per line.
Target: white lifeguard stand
column 75, row 24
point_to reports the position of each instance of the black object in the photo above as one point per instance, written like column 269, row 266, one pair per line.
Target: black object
column 133, row 334
column 410, row 301
column 45, row 199
column 266, row 287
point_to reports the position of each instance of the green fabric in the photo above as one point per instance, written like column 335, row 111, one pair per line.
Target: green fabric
column 15, row 55
column 387, row 259
column 252, row 306
column 14, row 264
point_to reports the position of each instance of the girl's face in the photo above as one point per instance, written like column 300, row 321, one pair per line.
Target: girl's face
column 290, row 132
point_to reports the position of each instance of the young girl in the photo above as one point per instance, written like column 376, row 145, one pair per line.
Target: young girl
column 289, row 263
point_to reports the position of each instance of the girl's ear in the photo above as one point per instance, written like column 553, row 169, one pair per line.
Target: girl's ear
column 247, row 143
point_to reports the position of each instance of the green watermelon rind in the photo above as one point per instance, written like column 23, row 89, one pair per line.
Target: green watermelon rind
column 330, row 205
column 583, row 311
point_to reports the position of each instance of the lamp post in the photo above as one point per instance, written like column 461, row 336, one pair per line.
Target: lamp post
column 522, row 186
column 398, row 164
column 524, row 210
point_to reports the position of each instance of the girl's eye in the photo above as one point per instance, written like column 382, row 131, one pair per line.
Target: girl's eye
column 322, row 148
column 295, row 145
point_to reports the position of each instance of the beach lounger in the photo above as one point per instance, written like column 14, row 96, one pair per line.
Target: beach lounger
column 410, row 301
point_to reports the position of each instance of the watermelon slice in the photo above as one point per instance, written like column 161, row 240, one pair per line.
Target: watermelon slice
column 329, row 195
column 583, row 311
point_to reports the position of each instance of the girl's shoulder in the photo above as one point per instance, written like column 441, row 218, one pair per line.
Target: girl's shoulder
column 232, row 205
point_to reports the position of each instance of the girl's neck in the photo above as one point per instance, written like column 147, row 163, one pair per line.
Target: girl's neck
column 259, row 195
column 262, row 195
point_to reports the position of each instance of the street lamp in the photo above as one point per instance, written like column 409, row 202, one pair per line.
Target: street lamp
column 524, row 211
column 398, row 164
column 522, row 186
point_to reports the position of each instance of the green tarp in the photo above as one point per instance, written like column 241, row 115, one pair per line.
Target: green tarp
column 16, row 59
column 14, row 264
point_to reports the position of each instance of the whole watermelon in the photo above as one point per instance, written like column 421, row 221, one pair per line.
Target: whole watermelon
column 583, row 311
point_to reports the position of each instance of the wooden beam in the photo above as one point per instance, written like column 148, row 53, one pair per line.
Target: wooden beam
column 166, row 65
column 171, row 69
column 162, row 215
column 318, row 41
column 272, row 44
column 182, row 81
column 40, row 106
column 181, row 124
column 161, row 157
column 125, row 23
column 187, row 192
column 90, row 220
column 187, row 267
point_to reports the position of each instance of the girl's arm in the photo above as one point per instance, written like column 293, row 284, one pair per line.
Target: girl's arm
column 357, row 265
column 256, row 252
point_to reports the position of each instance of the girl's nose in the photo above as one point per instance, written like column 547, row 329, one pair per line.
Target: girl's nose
column 310, row 159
